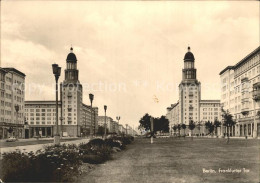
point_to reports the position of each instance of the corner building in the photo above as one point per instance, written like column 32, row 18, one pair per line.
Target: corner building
column 240, row 94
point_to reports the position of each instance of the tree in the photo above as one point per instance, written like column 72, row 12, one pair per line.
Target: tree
column 145, row 122
column 199, row 124
column 228, row 121
column 179, row 129
column 209, row 126
column 164, row 124
column 174, row 129
column 160, row 124
column 217, row 124
column 191, row 127
column 183, row 126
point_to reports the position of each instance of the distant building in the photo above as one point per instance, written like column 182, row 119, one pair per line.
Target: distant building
column 106, row 119
column 121, row 129
column 12, row 94
column 190, row 106
column 86, row 120
column 239, row 85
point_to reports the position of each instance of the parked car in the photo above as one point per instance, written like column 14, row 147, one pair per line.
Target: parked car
column 11, row 139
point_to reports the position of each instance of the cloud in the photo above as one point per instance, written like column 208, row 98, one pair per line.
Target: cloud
column 137, row 43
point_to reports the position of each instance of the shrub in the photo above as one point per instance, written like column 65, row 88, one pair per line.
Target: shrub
column 96, row 142
column 53, row 164
column 96, row 151
column 92, row 159
column 20, row 169
column 113, row 143
column 57, row 163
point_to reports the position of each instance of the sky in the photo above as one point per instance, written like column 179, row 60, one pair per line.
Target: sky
column 130, row 53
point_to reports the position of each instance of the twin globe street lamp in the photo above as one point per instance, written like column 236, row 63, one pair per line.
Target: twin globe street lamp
column 56, row 71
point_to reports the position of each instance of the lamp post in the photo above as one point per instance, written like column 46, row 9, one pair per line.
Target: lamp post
column 118, row 118
column 91, row 98
column 17, row 110
column 105, row 108
column 151, row 120
column 56, row 71
column 126, row 125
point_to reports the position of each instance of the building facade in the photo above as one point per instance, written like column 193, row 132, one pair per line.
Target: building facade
column 239, row 92
column 41, row 118
column 87, row 117
column 12, row 103
column 190, row 106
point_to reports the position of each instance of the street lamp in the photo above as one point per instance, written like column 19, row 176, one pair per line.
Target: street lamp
column 56, row 71
column 91, row 98
column 118, row 118
column 17, row 109
column 105, row 108
column 126, row 125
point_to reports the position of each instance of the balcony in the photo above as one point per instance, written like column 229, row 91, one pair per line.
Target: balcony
column 245, row 111
column 244, row 79
column 256, row 91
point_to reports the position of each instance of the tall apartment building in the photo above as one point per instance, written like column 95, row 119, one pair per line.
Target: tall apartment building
column 12, row 103
column 190, row 106
column 239, row 85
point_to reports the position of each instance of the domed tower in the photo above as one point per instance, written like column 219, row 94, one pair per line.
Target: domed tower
column 189, row 91
column 71, row 97
column 189, row 72
column 71, row 73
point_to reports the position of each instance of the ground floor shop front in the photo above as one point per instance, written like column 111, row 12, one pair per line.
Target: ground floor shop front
column 11, row 130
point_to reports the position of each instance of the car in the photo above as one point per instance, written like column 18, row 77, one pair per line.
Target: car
column 11, row 139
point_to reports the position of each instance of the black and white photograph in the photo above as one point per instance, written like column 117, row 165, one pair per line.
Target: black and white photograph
column 129, row 91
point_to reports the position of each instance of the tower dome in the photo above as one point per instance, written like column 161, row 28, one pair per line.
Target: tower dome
column 189, row 56
column 71, row 56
